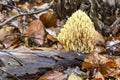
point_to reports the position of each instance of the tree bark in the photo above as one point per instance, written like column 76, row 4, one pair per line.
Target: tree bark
column 22, row 62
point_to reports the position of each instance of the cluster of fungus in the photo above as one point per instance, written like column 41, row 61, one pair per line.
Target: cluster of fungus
column 78, row 34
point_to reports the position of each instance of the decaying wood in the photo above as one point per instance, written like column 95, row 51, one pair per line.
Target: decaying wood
column 22, row 62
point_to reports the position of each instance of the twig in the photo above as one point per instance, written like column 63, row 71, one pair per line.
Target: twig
column 5, row 5
column 22, row 35
column 116, row 22
column 43, row 8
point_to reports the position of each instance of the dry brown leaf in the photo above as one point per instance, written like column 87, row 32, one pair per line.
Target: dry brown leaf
column 8, row 39
column 14, row 12
column 36, row 4
column 2, row 17
column 100, row 37
column 112, row 40
column 25, row 6
column 99, row 49
column 118, row 78
column 6, row 30
column 37, row 31
column 74, row 77
column 117, row 60
column 86, row 65
column 49, row 19
column 105, row 65
column 113, row 45
column 99, row 76
column 51, row 38
column 114, row 73
column 98, row 79
column 116, row 30
column 39, row 2
column 53, row 75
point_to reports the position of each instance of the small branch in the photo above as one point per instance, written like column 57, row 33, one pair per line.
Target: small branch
column 21, row 36
column 116, row 22
column 43, row 8
column 6, row 5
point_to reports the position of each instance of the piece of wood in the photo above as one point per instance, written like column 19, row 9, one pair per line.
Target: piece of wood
column 22, row 62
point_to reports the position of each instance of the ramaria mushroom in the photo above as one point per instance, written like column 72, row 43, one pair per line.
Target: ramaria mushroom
column 79, row 34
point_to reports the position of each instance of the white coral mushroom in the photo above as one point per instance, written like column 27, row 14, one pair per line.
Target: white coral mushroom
column 78, row 34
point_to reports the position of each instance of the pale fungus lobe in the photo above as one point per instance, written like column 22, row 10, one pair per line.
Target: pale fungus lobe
column 78, row 34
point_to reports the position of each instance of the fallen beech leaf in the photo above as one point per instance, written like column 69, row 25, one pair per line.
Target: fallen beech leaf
column 2, row 17
column 113, row 45
column 112, row 41
column 49, row 19
column 25, row 6
column 14, row 12
column 114, row 73
column 104, row 65
column 100, row 37
column 99, row 76
column 37, row 31
column 8, row 39
column 53, row 75
column 98, row 79
column 116, row 30
column 86, row 65
column 117, row 60
column 53, row 31
column 99, row 49
column 51, row 38
column 74, row 77
column 39, row 2
column 6, row 30
column 36, row 4
column 118, row 78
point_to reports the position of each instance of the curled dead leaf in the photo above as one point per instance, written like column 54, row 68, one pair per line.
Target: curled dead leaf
column 8, row 38
column 6, row 30
column 53, row 75
column 25, row 6
column 39, row 2
column 99, row 76
column 51, row 38
column 113, row 45
column 100, row 49
column 112, row 41
column 36, row 31
column 14, row 12
column 99, row 37
column 117, row 60
column 74, row 77
column 104, row 65
column 49, row 19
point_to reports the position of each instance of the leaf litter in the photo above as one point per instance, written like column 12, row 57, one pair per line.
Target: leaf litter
column 33, row 32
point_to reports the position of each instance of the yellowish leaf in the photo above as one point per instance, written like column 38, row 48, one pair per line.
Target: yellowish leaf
column 74, row 77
